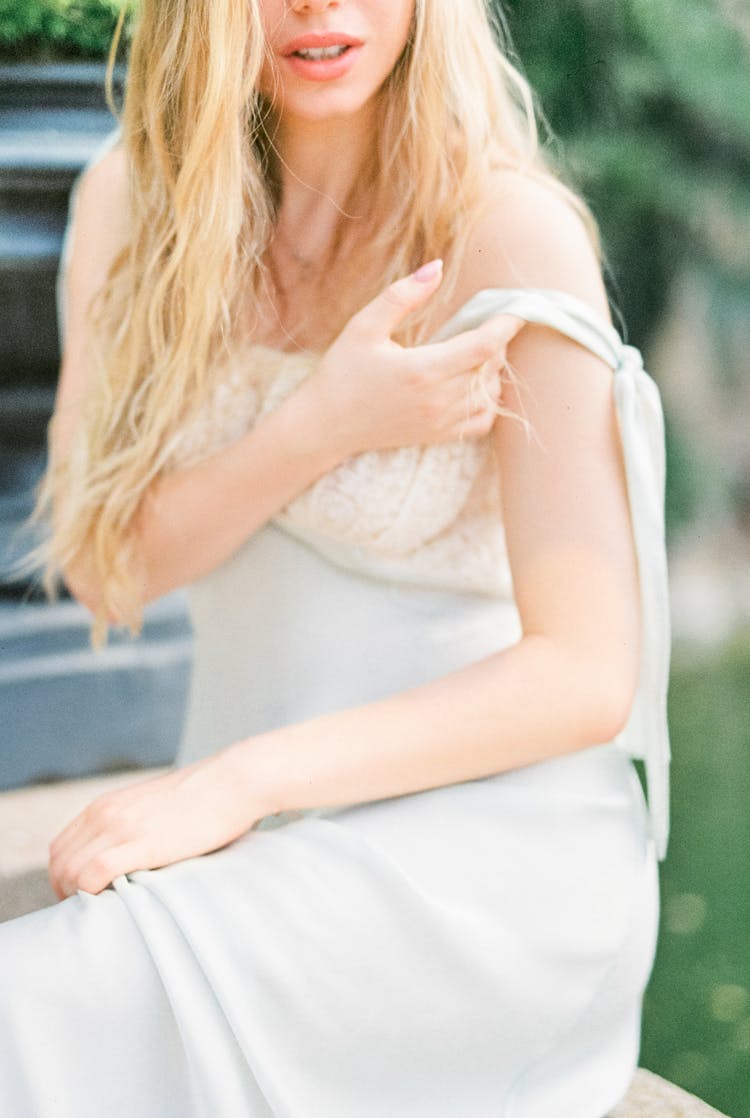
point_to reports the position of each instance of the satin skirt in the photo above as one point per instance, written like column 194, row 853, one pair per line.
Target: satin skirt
column 477, row 950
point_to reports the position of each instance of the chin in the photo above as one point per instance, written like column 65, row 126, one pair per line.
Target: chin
column 316, row 114
column 329, row 106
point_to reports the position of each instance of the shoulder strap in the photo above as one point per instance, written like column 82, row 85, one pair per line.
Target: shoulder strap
column 641, row 425
column 100, row 151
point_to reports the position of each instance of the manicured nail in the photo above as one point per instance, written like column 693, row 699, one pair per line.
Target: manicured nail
column 428, row 271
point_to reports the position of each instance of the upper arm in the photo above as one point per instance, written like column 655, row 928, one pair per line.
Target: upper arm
column 564, row 496
column 98, row 231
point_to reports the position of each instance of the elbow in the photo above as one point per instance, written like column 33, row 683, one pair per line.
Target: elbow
column 87, row 589
column 609, row 720
column 81, row 586
column 595, row 688
column 610, row 693
column 86, row 593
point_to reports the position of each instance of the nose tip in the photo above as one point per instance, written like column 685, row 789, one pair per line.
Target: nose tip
column 314, row 6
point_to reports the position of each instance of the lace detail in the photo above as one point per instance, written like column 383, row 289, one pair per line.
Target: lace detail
column 432, row 513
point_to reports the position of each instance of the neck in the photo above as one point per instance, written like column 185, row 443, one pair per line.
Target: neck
column 320, row 164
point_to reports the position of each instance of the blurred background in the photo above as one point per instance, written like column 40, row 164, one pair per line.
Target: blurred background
column 647, row 109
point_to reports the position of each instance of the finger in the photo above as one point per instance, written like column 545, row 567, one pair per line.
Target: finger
column 509, row 324
column 388, row 310
column 477, row 425
column 472, row 391
column 105, row 865
column 55, row 883
column 63, row 872
column 80, row 831
column 453, row 419
column 486, row 385
column 99, row 815
column 471, row 348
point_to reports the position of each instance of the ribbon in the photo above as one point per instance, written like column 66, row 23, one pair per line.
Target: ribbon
column 641, row 426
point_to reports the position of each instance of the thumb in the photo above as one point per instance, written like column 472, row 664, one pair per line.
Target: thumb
column 388, row 310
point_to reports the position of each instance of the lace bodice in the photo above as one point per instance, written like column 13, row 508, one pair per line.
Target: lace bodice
column 424, row 513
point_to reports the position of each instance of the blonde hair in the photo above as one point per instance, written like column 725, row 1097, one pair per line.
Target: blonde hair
column 204, row 195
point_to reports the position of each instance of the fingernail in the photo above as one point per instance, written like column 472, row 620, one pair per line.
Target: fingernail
column 428, row 271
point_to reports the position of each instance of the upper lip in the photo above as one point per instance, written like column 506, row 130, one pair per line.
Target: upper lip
column 317, row 39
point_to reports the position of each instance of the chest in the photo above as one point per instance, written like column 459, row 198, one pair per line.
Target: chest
column 390, row 502
column 303, row 304
column 300, row 321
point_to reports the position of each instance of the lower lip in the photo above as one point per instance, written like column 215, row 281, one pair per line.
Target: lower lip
column 323, row 69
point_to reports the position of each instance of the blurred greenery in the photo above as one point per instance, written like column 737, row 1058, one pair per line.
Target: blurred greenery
column 59, row 29
column 648, row 105
column 651, row 105
column 696, row 1028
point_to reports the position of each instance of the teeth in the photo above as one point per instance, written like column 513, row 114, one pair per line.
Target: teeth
column 315, row 54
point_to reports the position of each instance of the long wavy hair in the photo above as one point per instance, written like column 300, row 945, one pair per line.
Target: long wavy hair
column 204, row 194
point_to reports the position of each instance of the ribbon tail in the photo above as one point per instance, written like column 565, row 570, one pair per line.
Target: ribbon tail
column 646, row 735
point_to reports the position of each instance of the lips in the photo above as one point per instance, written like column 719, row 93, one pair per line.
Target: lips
column 319, row 40
column 322, row 56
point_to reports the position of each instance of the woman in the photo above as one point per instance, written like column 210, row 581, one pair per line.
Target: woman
column 403, row 865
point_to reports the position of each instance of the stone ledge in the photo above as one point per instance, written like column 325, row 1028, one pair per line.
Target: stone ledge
column 650, row 1096
column 24, row 892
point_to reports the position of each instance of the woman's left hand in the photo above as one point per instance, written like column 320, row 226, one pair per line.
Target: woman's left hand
column 184, row 813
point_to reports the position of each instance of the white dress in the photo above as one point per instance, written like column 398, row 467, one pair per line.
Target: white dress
column 478, row 950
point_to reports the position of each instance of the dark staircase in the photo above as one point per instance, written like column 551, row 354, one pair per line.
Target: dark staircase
column 65, row 710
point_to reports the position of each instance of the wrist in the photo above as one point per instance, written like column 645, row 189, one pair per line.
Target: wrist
column 312, row 429
column 248, row 765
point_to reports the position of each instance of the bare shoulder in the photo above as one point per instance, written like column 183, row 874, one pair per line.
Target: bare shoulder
column 530, row 235
column 110, row 169
column 100, row 229
column 103, row 195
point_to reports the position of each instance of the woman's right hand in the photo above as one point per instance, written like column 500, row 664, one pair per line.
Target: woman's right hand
column 375, row 394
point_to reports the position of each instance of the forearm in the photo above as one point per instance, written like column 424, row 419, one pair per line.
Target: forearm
column 193, row 519
column 525, row 704
column 197, row 518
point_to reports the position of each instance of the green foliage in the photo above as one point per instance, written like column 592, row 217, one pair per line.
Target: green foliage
column 685, row 477
column 39, row 29
column 697, row 1008
column 648, row 102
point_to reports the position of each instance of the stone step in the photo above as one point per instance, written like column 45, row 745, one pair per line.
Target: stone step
column 29, row 344
column 31, row 240
column 41, row 151
column 25, row 411
column 19, row 471
column 24, row 415
column 52, row 118
column 650, row 1096
column 67, row 711
column 74, row 85
column 71, row 711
